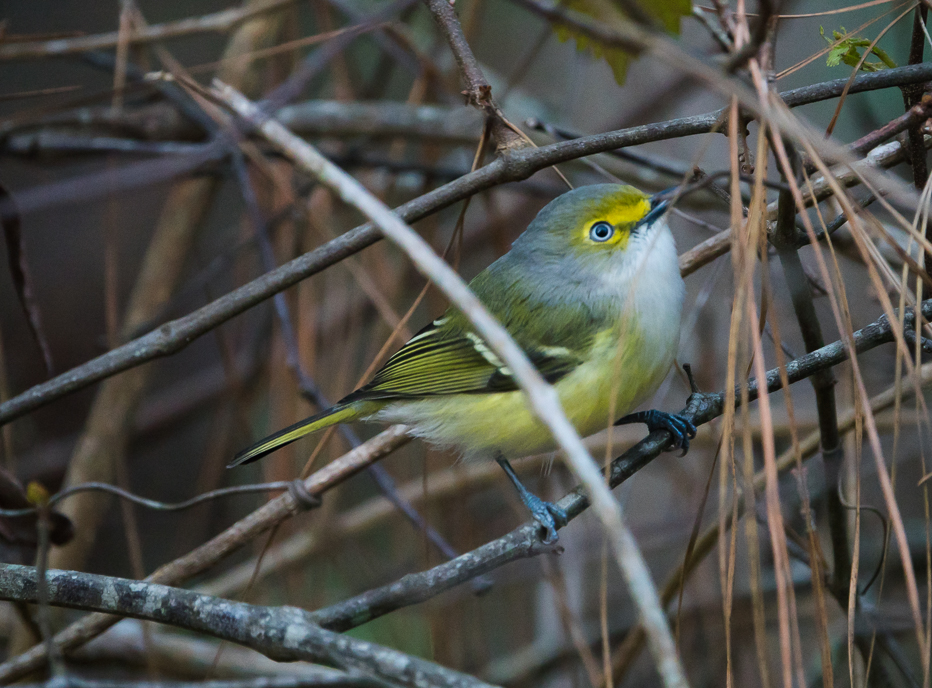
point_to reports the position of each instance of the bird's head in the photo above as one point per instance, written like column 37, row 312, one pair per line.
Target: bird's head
column 598, row 220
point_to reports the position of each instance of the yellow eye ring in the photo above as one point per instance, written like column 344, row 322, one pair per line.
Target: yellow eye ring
column 601, row 232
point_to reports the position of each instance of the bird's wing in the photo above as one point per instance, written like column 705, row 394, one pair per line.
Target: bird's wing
column 437, row 361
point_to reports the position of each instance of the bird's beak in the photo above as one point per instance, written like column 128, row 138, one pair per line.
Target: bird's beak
column 659, row 203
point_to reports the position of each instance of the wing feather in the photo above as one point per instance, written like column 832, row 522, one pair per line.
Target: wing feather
column 436, row 362
column 448, row 357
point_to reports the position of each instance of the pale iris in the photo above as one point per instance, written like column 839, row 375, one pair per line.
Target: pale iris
column 601, row 231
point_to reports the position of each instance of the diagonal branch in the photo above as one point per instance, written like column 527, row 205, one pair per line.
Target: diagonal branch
column 217, row 22
column 211, row 552
column 478, row 92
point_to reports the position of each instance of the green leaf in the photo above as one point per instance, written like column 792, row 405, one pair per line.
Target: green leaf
column 667, row 12
column 847, row 51
column 835, row 55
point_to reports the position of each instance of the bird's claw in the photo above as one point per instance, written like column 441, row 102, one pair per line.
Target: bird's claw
column 548, row 515
column 681, row 428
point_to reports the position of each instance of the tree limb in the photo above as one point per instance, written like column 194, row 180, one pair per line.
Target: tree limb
column 281, row 633
column 217, row 22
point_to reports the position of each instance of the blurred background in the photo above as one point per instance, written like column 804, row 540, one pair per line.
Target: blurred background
column 112, row 256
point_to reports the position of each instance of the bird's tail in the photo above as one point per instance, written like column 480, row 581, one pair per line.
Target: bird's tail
column 332, row 416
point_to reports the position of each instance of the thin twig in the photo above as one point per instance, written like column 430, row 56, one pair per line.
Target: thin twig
column 218, row 22
column 917, row 114
column 477, row 90
column 155, row 505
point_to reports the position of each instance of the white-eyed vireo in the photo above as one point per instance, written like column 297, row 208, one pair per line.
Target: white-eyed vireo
column 591, row 291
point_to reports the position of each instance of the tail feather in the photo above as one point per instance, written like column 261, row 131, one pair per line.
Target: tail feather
column 332, row 416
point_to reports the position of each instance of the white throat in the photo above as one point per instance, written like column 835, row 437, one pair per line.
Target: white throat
column 648, row 282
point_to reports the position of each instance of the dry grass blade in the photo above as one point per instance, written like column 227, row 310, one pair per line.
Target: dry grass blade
column 808, row 447
column 844, row 325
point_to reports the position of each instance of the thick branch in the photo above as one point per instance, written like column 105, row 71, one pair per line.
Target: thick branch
column 161, row 122
column 324, row 118
column 332, row 678
column 282, row 633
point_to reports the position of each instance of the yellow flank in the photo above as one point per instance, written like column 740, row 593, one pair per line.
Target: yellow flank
column 485, row 424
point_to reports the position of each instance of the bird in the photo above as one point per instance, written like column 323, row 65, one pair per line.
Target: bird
column 592, row 293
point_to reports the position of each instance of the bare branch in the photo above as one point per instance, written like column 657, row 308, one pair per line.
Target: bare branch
column 332, row 678
column 135, row 643
column 516, row 166
column 478, row 92
column 282, row 633
column 218, row 22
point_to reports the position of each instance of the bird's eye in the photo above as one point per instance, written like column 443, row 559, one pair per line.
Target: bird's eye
column 601, row 231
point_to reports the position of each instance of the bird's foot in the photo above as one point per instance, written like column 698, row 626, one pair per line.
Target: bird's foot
column 548, row 514
column 680, row 427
